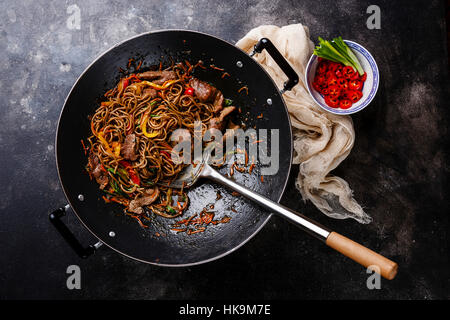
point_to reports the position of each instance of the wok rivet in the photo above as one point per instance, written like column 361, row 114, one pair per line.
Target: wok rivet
column 239, row 64
column 80, row 197
column 269, row 101
column 112, row 234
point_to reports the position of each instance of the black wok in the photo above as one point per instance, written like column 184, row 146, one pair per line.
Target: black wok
column 157, row 244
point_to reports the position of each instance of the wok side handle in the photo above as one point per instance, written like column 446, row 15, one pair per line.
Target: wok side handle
column 284, row 65
column 80, row 250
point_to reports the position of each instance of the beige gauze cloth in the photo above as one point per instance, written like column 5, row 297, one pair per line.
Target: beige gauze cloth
column 322, row 140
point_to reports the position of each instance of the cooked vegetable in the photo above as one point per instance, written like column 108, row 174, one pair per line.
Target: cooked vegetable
column 337, row 51
column 189, row 91
column 131, row 172
column 116, row 148
column 228, row 102
column 171, row 210
column 101, row 138
column 143, row 125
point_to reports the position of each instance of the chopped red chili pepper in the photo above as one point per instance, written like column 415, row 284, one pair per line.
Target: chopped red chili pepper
column 340, row 85
column 334, row 91
column 348, row 72
column 354, row 95
column 334, row 66
column 322, row 68
column 317, row 87
column 189, row 91
column 332, row 101
column 345, row 104
column 332, row 80
column 355, row 85
column 320, row 79
column 363, row 77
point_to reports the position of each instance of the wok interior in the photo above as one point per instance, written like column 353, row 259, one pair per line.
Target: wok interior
column 157, row 244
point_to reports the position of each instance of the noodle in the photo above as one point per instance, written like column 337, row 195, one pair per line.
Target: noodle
column 137, row 115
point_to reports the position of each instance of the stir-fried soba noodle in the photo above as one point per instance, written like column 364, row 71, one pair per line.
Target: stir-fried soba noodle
column 130, row 147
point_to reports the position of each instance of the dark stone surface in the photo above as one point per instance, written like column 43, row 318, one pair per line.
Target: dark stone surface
column 398, row 167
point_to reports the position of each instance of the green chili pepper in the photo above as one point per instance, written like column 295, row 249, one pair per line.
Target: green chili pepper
column 123, row 173
column 148, row 183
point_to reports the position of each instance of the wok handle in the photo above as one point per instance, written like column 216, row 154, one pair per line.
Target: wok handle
column 349, row 248
column 80, row 250
column 293, row 78
column 362, row 255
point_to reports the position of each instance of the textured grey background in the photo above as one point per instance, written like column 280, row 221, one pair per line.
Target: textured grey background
column 397, row 168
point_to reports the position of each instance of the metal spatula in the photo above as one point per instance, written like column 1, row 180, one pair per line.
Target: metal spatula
column 351, row 249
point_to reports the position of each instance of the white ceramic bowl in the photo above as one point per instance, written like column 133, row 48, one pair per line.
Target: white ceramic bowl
column 370, row 85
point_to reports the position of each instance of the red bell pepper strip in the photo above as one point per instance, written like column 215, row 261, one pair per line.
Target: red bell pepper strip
column 133, row 176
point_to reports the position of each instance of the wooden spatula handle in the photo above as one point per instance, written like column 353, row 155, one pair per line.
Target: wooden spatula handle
column 362, row 255
column 351, row 249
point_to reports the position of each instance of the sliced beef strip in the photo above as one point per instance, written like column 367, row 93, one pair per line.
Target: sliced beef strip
column 218, row 122
column 170, row 75
column 215, row 123
column 149, row 196
column 95, row 168
column 149, row 93
column 225, row 112
column 128, row 149
column 218, row 101
column 231, row 130
column 207, row 93
column 204, row 91
column 159, row 77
